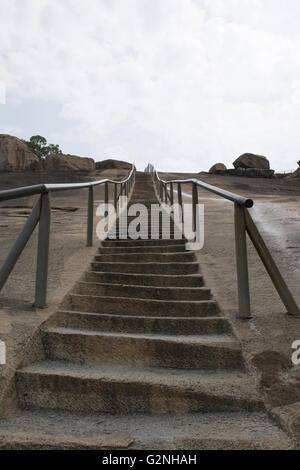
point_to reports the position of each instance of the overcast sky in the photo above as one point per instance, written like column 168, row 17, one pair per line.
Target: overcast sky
column 181, row 83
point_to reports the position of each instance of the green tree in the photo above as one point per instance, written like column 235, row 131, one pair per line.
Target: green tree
column 38, row 145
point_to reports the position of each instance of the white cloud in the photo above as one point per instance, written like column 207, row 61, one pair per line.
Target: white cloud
column 184, row 83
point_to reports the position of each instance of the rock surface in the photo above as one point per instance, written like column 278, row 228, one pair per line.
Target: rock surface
column 218, row 167
column 113, row 164
column 246, row 172
column 258, row 173
column 15, row 155
column 62, row 162
column 296, row 173
column 250, row 160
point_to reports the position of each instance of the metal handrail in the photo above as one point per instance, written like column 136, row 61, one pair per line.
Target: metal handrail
column 243, row 224
column 16, row 193
column 41, row 214
column 242, row 201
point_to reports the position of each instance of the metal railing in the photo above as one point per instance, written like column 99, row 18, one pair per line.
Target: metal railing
column 243, row 224
column 41, row 214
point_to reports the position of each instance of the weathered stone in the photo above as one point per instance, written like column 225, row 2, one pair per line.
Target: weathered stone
column 235, row 172
column 259, row 173
column 113, row 164
column 248, row 173
column 296, row 173
column 62, row 162
column 250, row 160
column 15, row 155
column 218, row 167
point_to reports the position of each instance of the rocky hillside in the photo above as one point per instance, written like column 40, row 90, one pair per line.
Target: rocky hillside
column 296, row 173
column 113, row 165
column 62, row 162
column 15, row 155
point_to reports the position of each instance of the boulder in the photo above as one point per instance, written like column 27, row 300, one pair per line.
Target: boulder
column 250, row 160
column 218, row 167
column 15, row 155
column 112, row 165
column 296, row 173
column 62, row 162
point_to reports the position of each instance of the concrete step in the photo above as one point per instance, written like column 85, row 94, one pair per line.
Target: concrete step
column 142, row 307
column 61, row 430
column 160, row 280
column 142, row 350
column 142, row 292
column 66, row 386
column 185, row 257
column 147, row 268
column 147, row 325
column 142, row 249
column 144, row 243
column 142, row 199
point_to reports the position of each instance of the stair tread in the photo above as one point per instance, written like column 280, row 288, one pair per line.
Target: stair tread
column 42, row 429
column 172, row 276
column 147, row 292
column 178, row 263
column 143, row 248
column 166, row 254
column 157, row 301
column 218, row 382
column 169, row 317
column 210, row 340
column 138, row 286
column 171, row 325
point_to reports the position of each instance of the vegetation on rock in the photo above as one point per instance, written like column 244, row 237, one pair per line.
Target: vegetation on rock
column 38, row 145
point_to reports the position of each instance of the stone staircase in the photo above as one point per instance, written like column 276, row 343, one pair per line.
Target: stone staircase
column 140, row 357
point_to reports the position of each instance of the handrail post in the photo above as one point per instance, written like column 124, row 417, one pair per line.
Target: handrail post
column 171, row 194
column 195, row 202
column 179, row 195
column 106, row 194
column 43, row 253
column 90, row 221
column 121, row 194
column 242, row 263
column 116, row 196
